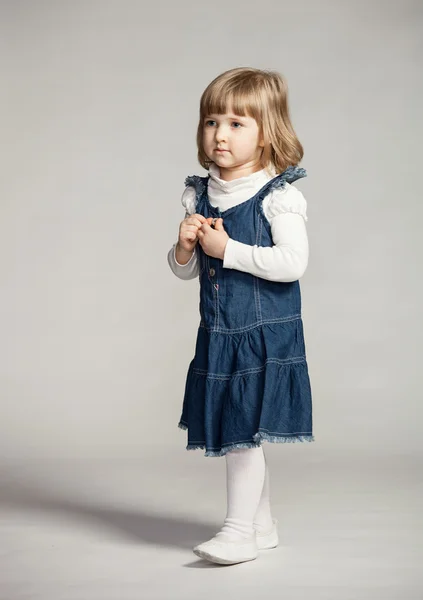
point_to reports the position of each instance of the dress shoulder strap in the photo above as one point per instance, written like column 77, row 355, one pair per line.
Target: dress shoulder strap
column 291, row 174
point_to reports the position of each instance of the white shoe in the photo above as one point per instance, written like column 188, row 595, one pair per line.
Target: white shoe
column 228, row 552
column 268, row 539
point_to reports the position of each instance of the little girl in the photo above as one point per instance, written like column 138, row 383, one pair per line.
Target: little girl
column 244, row 236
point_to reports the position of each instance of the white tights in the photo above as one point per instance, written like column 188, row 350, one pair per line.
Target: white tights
column 248, row 493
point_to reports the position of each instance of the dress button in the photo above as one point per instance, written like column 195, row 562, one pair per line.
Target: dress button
column 212, row 272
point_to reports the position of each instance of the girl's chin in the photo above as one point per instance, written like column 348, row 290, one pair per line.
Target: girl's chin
column 222, row 157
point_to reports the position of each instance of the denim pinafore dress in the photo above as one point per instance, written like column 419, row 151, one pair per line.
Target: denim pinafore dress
column 248, row 381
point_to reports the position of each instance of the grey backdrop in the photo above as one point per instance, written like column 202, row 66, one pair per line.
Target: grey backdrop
column 99, row 114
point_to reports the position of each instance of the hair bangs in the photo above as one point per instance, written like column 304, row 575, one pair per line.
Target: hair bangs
column 227, row 97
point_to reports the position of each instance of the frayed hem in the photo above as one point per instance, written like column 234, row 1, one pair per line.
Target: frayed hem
column 283, row 439
column 223, row 451
column 258, row 439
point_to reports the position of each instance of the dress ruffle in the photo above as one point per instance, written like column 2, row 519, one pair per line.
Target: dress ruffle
column 244, row 389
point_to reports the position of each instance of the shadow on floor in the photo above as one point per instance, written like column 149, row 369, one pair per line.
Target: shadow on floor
column 27, row 497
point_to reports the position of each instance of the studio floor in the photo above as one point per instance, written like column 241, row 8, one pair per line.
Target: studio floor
column 113, row 529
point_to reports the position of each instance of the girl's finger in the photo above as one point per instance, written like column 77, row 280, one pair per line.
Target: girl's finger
column 192, row 228
column 201, row 218
column 194, row 220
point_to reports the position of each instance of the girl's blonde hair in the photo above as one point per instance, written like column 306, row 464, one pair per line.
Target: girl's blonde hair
column 262, row 95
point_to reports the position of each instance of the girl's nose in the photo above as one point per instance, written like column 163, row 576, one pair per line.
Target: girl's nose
column 220, row 134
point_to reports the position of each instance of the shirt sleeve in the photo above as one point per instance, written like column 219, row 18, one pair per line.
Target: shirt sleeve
column 287, row 259
column 191, row 269
column 288, row 199
column 188, row 200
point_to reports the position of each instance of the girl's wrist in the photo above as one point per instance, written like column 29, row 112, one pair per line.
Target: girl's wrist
column 183, row 256
column 183, row 250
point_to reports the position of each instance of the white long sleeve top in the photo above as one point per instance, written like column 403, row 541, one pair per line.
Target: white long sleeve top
column 286, row 210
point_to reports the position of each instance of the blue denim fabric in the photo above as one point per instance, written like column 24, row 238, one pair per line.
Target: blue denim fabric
column 248, row 381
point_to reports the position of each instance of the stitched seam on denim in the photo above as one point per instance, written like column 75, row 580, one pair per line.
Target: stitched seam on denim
column 281, row 433
column 253, row 370
column 255, row 291
column 207, row 259
column 253, row 326
column 216, row 294
column 214, row 305
column 215, row 326
column 256, row 306
column 257, row 279
column 201, row 261
column 217, row 448
column 239, row 442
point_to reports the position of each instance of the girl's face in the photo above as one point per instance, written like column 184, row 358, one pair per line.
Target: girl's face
column 232, row 143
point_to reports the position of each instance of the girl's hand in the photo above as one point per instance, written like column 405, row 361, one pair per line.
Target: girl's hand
column 213, row 241
column 188, row 232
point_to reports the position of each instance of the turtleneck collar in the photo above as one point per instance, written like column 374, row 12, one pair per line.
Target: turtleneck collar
column 228, row 187
column 226, row 194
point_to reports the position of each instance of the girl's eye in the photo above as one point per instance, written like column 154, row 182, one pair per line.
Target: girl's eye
column 236, row 123
column 210, row 122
